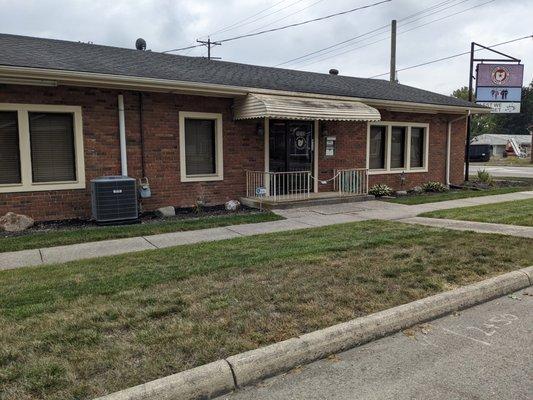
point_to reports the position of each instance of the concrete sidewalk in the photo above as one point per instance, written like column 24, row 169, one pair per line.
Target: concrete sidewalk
column 299, row 218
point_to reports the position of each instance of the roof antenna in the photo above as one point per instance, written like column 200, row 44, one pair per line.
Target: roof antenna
column 140, row 44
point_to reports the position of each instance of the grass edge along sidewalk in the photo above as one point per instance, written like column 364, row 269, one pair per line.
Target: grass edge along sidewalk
column 422, row 198
column 87, row 328
column 224, row 376
column 54, row 238
column 516, row 212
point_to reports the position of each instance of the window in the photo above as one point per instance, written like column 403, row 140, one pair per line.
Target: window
column 395, row 147
column 200, row 147
column 417, row 147
column 9, row 148
column 41, row 148
column 397, row 152
column 378, row 138
column 52, row 147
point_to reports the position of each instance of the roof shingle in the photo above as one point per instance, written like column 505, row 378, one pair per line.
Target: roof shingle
column 24, row 51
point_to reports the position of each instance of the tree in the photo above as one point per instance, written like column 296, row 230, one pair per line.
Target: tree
column 512, row 124
column 481, row 123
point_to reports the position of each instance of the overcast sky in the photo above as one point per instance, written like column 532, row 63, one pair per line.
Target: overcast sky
column 167, row 24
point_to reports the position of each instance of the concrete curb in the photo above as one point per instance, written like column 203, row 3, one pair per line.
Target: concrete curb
column 223, row 376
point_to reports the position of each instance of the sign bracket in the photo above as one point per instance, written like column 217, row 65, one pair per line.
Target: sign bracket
column 471, row 77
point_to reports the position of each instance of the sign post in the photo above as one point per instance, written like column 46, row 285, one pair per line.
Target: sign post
column 498, row 86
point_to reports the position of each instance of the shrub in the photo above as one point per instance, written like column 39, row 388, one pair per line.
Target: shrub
column 434, row 187
column 484, row 176
column 380, row 190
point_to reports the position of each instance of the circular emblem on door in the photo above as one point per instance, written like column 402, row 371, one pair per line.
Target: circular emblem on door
column 499, row 75
column 301, row 140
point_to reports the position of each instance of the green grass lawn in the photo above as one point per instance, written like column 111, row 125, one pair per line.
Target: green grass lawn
column 518, row 212
column 455, row 194
column 97, row 233
column 87, row 328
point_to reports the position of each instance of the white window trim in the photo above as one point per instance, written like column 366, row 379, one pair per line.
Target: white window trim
column 219, row 153
column 407, row 169
column 27, row 184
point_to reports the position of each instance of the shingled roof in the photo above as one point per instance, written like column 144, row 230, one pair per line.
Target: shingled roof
column 24, row 51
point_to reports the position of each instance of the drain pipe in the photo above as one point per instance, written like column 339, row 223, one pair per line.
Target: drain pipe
column 122, row 133
column 449, row 145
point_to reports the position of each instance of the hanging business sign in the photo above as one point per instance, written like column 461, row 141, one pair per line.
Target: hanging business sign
column 499, row 86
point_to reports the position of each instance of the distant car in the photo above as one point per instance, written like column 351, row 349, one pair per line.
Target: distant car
column 480, row 152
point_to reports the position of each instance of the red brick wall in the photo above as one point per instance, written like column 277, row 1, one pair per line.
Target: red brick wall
column 351, row 150
column 243, row 149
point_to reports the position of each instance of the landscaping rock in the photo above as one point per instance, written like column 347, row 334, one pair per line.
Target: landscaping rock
column 12, row 222
column 166, row 212
column 232, row 205
column 417, row 189
column 401, row 193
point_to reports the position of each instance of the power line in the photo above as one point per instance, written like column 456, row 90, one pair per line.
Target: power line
column 240, row 25
column 323, row 50
column 455, row 55
column 232, row 26
column 401, row 33
column 305, row 22
column 286, row 16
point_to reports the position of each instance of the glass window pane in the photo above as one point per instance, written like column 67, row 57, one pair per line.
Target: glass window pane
column 200, row 146
column 52, row 147
column 397, row 156
column 417, row 147
column 9, row 148
column 378, row 135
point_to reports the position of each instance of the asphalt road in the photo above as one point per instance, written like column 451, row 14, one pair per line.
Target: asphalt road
column 519, row 172
column 485, row 352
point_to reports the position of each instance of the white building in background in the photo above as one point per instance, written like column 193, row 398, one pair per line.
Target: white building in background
column 500, row 143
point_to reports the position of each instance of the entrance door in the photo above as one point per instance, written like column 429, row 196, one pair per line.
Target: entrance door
column 291, row 149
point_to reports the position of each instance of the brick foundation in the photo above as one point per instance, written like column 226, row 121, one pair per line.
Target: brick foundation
column 243, row 149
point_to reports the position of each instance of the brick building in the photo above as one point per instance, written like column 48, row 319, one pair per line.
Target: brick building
column 204, row 130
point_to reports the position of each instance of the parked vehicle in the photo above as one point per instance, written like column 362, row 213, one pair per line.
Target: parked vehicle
column 480, row 152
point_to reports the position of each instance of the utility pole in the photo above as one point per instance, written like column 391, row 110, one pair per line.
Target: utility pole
column 393, row 52
column 209, row 44
column 469, row 118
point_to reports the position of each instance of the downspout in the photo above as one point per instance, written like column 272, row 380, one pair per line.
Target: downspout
column 449, row 145
column 122, row 134
column 141, row 133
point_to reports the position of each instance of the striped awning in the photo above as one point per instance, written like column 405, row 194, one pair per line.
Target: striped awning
column 256, row 105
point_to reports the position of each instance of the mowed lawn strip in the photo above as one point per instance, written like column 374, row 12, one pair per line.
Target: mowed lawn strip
column 456, row 194
column 87, row 328
column 518, row 212
column 98, row 233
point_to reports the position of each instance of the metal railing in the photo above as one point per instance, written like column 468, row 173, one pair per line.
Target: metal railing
column 279, row 186
column 352, row 181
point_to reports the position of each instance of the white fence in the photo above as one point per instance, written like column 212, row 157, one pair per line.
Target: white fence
column 352, row 181
column 278, row 186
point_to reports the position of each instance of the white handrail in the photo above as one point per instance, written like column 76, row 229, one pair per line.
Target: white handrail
column 291, row 185
column 352, row 181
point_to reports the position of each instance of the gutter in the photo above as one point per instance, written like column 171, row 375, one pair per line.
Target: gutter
column 122, row 135
column 449, row 145
column 74, row 78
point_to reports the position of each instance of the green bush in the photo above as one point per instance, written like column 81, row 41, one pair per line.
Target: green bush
column 380, row 190
column 434, row 187
column 484, row 176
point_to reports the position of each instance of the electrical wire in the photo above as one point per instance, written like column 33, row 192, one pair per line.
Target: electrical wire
column 400, row 33
column 455, row 55
column 304, row 22
column 333, row 48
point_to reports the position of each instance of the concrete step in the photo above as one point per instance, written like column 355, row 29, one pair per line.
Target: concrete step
column 312, row 201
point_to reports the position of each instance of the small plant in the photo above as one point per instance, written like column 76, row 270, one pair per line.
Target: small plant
column 484, row 176
column 380, row 190
column 198, row 207
column 434, row 187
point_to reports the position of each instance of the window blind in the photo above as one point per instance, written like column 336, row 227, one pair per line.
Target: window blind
column 9, row 148
column 52, row 147
column 200, row 146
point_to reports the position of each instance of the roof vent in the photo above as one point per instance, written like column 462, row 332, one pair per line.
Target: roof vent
column 140, row 44
column 334, row 71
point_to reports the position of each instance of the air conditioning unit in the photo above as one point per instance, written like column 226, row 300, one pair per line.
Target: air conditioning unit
column 114, row 199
